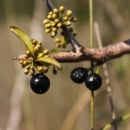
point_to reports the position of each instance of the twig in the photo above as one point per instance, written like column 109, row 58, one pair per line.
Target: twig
column 106, row 76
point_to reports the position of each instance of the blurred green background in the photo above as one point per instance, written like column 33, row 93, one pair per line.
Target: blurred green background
column 21, row 109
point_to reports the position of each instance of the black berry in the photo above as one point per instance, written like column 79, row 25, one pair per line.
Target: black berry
column 78, row 75
column 39, row 83
column 93, row 81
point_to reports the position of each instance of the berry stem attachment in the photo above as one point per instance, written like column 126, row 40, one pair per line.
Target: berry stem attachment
column 92, row 110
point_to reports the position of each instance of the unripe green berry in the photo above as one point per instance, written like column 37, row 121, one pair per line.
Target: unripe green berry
column 68, row 13
column 61, row 9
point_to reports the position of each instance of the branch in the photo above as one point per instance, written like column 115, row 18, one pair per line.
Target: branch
column 99, row 55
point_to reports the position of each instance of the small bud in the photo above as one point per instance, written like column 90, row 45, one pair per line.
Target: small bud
column 56, row 11
column 49, row 17
column 50, row 13
column 39, row 68
column 58, row 45
column 45, row 52
column 48, row 30
column 61, row 9
column 54, row 16
column 53, row 34
column 36, row 49
column 31, row 66
column 34, row 42
column 53, row 24
column 46, row 56
column 73, row 19
column 46, row 21
column 68, row 13
column 65, row 18
column 26, row 71
column 27, row 52
column 59, row 25
column 74, row 33
column 68, row 23
column 45, row 69
column 25, row 63
column 57, row 40
column 47, row 25
column 54, row 29
column 39, row 43
column 32, row 72
column 21, row 61
column 57, row 20
column 40, row 55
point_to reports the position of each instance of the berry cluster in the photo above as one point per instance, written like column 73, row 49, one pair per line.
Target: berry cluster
column 63, row 41
column 92, row 81
column 27, row 60
column 56, row 19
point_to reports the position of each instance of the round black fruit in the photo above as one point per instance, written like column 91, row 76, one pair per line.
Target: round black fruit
column 93, row 81
column 78, row 75
column 39, row 83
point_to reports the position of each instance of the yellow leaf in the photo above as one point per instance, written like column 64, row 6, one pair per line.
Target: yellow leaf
column 23, row 37
column 50, row 61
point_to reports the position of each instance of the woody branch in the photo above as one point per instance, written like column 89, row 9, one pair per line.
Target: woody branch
column 99, row 55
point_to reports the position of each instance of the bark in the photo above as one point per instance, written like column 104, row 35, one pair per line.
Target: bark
column 99, row 55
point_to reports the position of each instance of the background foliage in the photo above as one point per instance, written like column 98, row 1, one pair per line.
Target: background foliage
column 48, row 111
